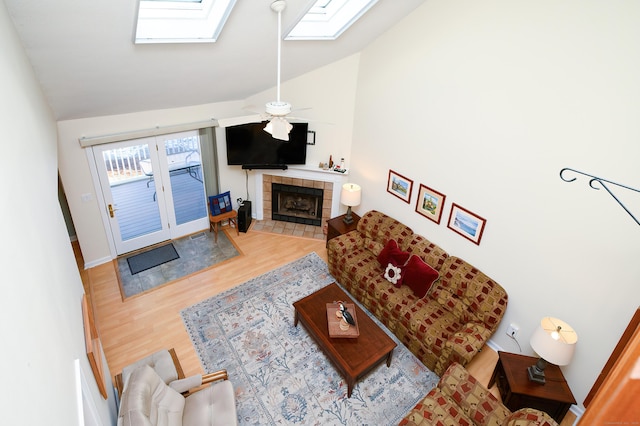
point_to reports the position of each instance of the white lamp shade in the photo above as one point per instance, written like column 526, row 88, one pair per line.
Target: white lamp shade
column 554, row 341
column 351, row 194
column 279, row 128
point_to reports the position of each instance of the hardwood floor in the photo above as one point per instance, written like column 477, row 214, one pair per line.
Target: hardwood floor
column 142, row 325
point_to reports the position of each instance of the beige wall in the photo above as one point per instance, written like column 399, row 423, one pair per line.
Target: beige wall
column 329, row 90
column 486, row 101
column 40, row 310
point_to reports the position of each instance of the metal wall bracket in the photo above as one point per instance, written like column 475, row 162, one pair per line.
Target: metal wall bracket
column 603, row 182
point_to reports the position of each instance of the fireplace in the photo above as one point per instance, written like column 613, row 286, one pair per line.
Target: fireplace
column 297, row 204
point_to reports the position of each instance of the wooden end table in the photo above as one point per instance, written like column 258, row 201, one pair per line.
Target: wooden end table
column 352, row 357
column 337, row 227
column 517, row 391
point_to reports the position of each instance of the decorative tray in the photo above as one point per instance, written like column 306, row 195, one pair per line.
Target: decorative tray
column 334, row 321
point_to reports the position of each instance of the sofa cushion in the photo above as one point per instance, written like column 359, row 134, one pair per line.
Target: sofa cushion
column 388, row 302
column 379, row 227
column 418, row 276
column 432, row 254
column 485, row 300
column 430, row 323
column 147, row 400
column 391, row 254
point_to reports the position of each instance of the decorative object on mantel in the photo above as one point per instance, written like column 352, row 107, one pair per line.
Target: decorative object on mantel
column 554, row 341
column 350, row 196
column 602, row 182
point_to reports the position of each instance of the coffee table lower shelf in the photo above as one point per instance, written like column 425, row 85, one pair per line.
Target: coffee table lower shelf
column 352, row 357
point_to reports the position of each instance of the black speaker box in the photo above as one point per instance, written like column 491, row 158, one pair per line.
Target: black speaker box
column 244, row 216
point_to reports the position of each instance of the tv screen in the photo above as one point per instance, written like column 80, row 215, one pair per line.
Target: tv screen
column 249, row 144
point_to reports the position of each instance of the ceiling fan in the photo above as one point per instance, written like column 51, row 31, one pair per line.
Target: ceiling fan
column 275, row 111
column 278, row 126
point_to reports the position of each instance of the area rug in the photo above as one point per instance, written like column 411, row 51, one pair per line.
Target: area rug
column 197, row 252
column 152, row 258
column 279, row 374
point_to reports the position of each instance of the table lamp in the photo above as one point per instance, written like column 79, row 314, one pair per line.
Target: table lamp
column 350, row 196
column 554, row 341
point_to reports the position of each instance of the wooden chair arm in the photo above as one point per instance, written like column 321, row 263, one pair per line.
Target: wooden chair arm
column 216, row 375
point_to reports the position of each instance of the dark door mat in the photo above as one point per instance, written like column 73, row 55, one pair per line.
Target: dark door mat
column 152, row 258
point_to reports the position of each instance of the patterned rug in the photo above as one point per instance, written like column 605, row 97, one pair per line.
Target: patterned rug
column 279, row 374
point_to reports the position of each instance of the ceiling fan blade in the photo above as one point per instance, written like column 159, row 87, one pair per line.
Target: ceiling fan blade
column 244, row 119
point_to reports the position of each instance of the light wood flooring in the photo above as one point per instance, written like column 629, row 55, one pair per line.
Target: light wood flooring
column 141, row 325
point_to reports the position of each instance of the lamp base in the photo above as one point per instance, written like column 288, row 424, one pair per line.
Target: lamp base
column 536, row 372
column 348, row 218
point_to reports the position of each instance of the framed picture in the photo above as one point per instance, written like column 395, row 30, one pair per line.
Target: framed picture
column 430, row 203
column 468, row 224
column 399, row 186
column 311, row 137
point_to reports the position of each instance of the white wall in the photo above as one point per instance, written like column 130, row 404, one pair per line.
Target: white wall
column 329, row 90
column 486, row 101
column 40, row 308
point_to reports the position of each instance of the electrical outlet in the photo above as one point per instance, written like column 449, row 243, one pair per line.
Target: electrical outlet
column 512, row 330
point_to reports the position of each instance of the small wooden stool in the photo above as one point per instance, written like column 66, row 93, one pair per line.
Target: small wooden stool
column 231, row 216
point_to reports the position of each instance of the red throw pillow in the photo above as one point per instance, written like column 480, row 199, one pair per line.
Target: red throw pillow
column 418, row 276
column 391, row 253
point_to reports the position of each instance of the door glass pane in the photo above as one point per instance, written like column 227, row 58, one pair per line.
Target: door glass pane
column 131, row 181
column 185, row 172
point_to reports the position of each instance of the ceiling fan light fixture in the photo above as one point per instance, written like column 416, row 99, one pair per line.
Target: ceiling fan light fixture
column 279, row 128
column 278, row 108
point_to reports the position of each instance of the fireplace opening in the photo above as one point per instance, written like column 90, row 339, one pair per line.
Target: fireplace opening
column 296, row 204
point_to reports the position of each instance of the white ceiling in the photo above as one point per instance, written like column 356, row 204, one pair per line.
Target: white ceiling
column 83, row 54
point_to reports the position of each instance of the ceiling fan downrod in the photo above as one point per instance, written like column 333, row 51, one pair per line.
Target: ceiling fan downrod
column 278, row 125
column 279, row 108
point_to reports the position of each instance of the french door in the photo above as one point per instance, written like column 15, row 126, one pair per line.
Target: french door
column 152, row 189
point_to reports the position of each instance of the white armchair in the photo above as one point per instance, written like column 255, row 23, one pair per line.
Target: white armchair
column 154, row 395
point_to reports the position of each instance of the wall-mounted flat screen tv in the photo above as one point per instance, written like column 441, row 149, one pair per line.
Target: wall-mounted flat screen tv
column 249, row 144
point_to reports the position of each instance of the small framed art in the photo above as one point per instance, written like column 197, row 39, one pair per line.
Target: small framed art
column 468, row 224
column 311, row 137
column 430, row 203
column 399, row 186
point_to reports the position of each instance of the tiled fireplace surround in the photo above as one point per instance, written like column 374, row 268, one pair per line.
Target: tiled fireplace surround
column 330, row 182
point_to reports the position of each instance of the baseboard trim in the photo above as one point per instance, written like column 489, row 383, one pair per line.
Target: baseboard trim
column 97, row 262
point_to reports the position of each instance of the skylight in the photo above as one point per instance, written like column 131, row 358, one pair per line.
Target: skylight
column 181, row 21
column 328, row 19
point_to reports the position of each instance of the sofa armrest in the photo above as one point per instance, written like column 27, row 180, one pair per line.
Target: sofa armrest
column 529, row 416
column 345, row 243
column 472, row 398
column 462, row 346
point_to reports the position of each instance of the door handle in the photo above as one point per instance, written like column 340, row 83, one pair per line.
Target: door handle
column 111, row 210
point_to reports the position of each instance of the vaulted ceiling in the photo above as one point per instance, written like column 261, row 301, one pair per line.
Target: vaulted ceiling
column 85, row 59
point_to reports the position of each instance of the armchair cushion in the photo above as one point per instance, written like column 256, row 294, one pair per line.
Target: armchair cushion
column 147, row 400
column 213, row 405
column 160, row 361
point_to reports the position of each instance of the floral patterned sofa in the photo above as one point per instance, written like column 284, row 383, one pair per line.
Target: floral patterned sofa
column 459, row 399
column 445, row 309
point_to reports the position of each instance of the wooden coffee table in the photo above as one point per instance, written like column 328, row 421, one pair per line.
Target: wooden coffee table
column 352, row 357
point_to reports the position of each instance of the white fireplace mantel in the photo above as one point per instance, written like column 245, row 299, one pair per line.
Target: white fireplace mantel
column 302, row 172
